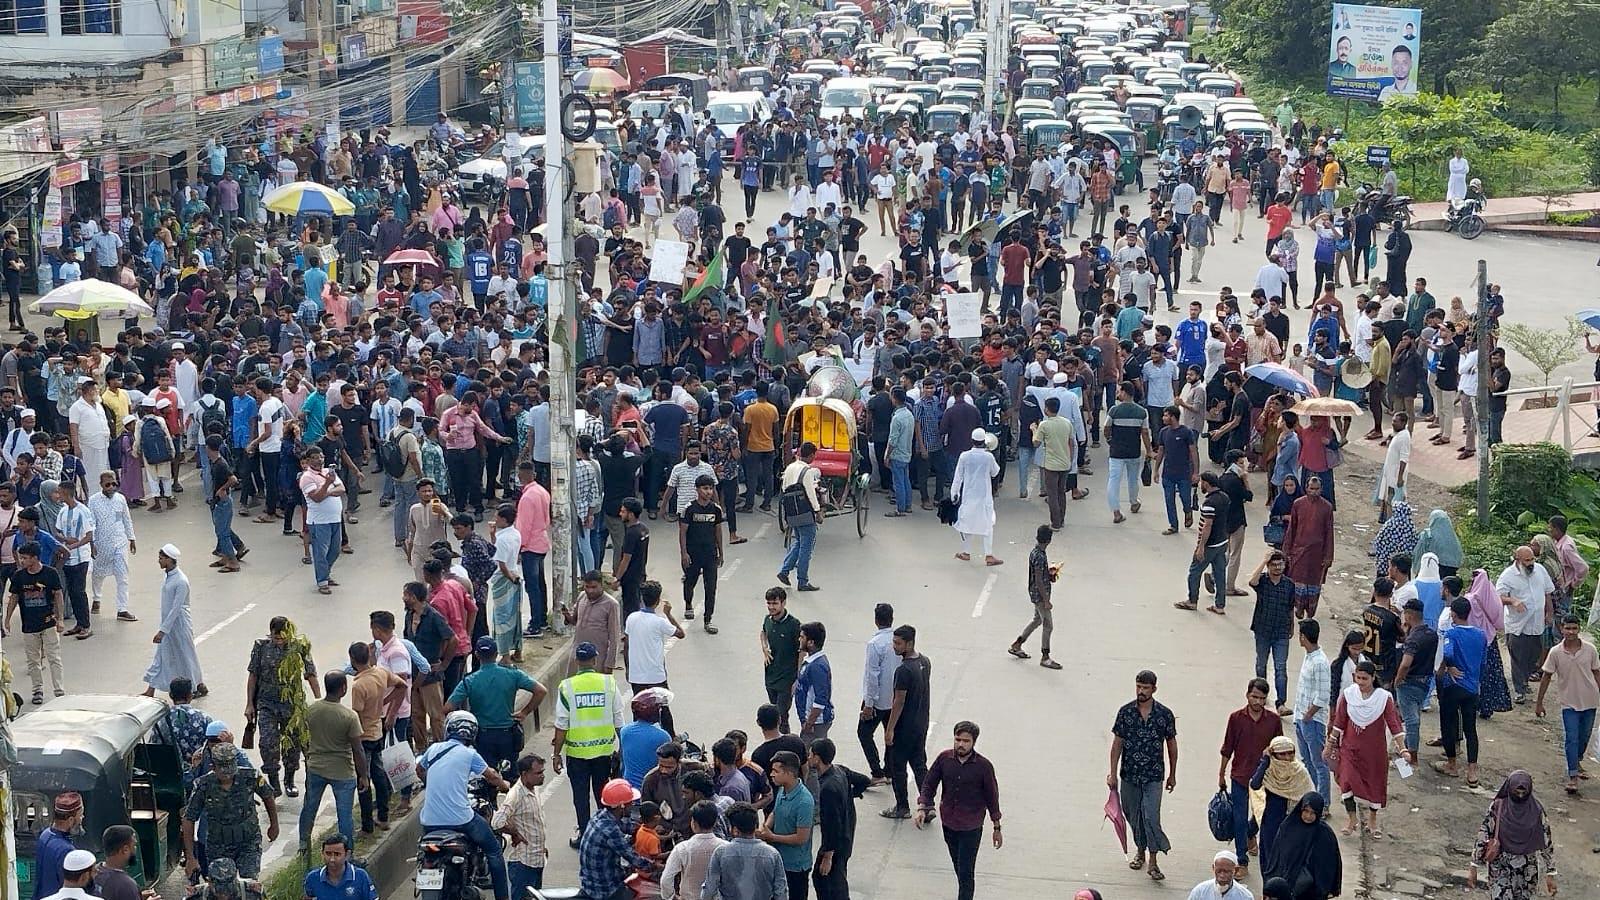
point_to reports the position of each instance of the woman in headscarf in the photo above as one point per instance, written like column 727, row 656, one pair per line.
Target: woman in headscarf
column 1439, row 538
column 1430, row 589
column 1283, row 778
column 1277, row 525
column 1365, row 725
column 1305, row 854
column 1545, row 552
column 1308, row 543
column 1517, row 826
column 1397, row 535
column 1489, row 614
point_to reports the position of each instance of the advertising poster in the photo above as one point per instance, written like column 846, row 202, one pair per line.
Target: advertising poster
column 1374, row 52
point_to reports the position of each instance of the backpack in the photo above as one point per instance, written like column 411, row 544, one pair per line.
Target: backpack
column 214, row 420
column 609, row 217
column 389, row 454
column 154, row 445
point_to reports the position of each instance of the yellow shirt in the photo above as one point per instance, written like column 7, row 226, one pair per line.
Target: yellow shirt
column 116, row 403
column 760, row 417
column 1330, row 175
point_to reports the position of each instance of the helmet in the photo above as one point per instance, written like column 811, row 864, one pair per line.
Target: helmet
column 617, row 792
column 1476, row 182
column 647, row 704
column 461, row 726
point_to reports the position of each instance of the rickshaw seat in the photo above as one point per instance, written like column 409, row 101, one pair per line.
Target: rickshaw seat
column 833, row 463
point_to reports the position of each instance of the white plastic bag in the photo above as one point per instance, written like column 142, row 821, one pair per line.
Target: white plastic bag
column 399, row 763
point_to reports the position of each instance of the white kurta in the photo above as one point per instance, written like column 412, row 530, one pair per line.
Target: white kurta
column 176, row 656
column 1456, row 188
column 974, row 491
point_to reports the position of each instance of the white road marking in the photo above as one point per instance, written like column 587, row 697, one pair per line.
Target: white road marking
column 213, row 630
column 732, row 568
column 983, row 595
column 762, row 531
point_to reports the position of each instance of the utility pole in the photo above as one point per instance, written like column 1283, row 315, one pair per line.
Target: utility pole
column 995, row 54
column 1482, row 400
column 561, row 321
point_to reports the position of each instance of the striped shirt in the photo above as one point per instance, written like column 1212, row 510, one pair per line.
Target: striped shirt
column 1314, row 687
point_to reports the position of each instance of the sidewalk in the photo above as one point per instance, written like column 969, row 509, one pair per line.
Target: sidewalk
column 1521, row 426
column 1505, row 210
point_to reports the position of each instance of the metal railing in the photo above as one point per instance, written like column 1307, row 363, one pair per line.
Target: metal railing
column 1559, row 414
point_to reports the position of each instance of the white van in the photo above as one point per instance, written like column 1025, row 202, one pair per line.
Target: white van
column 846, row 96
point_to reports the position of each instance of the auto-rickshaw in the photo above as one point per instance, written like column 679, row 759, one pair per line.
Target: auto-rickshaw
column 796, row 42
column 1146, row 115
column 900, row 109
column 835, row 40
column 1128, row 148
column 1182, row 48
column 900, row 69
column 805, row 83
column 1218, row 86
column 1092, row 69
column 118, row 752
column 1046, row 133
column 946, row 118
column 1190, row 72
column 1038, row 88
column 1044, row 67
column 755, row 78
column 926, row 94
column 935, row 73
column 830, row 424
column 968, row 100
column 967, row 66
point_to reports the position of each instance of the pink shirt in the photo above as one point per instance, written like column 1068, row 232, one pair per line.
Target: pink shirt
column 533, row 518
column 394, row 657
column 459, row 429
column 458, row 610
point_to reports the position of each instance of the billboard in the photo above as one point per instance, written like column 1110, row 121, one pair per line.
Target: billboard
column 1373, row 51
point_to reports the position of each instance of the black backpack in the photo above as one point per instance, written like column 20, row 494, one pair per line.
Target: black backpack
column 392, row 457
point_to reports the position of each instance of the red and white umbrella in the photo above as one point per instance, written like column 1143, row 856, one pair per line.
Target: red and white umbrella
column 411, row 258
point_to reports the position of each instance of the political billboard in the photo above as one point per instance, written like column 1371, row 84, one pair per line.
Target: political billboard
column 1373, row 51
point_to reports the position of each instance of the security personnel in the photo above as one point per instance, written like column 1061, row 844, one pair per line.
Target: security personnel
column 490, row 694
column 226, row 797
column 588, row 714
column 223, row 883
column 273, row 694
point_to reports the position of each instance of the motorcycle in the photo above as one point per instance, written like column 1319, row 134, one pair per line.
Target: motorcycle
column 449, row 865
column 1385, row 210
column 1465, row 217
column 1167, row 183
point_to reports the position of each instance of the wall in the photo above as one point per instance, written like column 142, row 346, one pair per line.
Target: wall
column 148, row 29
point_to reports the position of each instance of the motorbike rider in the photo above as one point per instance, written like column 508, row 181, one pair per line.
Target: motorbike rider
column 1475, row 193
column 606, row 847
column 446, row 804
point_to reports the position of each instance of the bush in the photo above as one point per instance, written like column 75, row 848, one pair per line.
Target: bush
column 1489, row 550
column 1570, row 220
column 1527, row 478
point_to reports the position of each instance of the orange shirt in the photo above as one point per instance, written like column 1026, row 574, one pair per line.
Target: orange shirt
column 761, row 417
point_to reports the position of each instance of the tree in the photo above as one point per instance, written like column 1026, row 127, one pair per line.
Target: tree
column 1542, row 43
column 1283, row 35
column 1547, row 348
column 1426, row 127
column 1452, row 32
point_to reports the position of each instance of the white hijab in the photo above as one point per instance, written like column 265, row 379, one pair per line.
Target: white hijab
column 1363, row 711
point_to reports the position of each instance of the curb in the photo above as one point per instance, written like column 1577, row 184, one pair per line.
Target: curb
column 389, row 863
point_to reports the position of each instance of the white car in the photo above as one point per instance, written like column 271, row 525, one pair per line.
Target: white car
column 731, row 109
column 473, row 177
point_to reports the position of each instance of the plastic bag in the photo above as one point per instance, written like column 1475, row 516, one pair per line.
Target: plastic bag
column 399, row 763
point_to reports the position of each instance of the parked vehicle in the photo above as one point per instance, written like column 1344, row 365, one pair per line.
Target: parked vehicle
column 1385, row 210
column 1465, row 217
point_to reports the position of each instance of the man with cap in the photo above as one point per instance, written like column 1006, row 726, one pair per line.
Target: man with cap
column 490, row 693
column 1222, row 884
column 588, row 714
column 226, row 797
column 605, row 847
column 19, row 439
column 75, row 878
column 55, row 843
column 176, row 655
column 972, row 488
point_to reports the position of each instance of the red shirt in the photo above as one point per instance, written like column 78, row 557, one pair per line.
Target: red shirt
column 1278, row 217
column 1015, row 259
column 1246, row 740
column 459, row 611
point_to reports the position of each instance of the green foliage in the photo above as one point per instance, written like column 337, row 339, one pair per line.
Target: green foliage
column 1569, row 220
column 1286, row 35
column 1547, row 348
column 1527, row 478
column 1427, row 127
column 1590, row 143
column 1488, row 549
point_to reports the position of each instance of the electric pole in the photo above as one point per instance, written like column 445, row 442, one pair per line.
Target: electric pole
column 995, row 22
column 1481, row 401
column 561, row 321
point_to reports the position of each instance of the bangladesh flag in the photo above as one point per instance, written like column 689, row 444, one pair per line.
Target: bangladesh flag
column 711, row 278
column 774, row 349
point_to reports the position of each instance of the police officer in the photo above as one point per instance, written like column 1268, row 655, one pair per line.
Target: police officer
column 223, row 883
column 273, row 693
column 490, row 694
column 588, row 714
column 226, row 797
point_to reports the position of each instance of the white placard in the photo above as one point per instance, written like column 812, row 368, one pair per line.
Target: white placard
column 860, row 370
column 667, row 260
column 965, row 314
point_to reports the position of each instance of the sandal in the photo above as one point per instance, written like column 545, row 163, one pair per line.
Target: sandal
column 1048, row 663
column 1137, row 862
column 1018, row 652
column 1156, row 874
column 1185, row 605
column 1348, row 831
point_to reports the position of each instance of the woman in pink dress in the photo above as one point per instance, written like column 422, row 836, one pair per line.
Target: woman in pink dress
column 1365, row 724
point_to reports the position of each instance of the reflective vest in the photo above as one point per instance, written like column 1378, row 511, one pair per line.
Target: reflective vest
column 591, row 732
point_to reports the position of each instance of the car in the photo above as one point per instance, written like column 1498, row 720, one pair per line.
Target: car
column 734, row 108
column 845, row 97
column 477, row 177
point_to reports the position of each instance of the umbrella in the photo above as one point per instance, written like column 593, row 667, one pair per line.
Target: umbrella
column 411, row 258
column 1113, row 811
column 599, row 80
column 307, row 198
column 1589, row 317
column 87, row 297
column 1280, row 376
column 1325, row 406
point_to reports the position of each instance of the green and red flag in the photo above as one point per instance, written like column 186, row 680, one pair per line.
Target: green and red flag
column 774, row 347
column 712, row 277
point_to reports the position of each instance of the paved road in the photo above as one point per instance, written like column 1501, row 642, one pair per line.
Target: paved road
column 1046, row 731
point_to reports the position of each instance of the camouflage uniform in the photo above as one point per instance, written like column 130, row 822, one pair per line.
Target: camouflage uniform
column 223, row 883
column 272, row 703
column 232, row 828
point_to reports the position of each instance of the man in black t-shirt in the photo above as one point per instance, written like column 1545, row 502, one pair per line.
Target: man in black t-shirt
column 880, row 409
column 37, row 590
column 1382, row 626
column 905, row 739
column 635, row 553
column 737, row 248
column 1211, row 547
column 700, row 546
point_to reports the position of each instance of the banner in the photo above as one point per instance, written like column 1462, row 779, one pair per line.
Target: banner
column 111, row 188
column 530, row 94
column 1373, row 51
column 965, row 314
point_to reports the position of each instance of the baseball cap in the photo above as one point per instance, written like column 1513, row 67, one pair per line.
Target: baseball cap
column 485, row 644
column 586, row 650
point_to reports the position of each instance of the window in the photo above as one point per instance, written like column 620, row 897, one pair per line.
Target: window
column 91, row 16
column 22, row 17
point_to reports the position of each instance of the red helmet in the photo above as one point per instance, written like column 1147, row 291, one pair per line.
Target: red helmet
column 617, row 792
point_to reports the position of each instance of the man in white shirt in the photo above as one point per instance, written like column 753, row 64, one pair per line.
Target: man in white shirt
column 950, row 264
column 828, row 192
column 1362, row 345
column 686, row 865
column 1392, row 481
column 1467, row 391
column 1271, row 278
column 268, row 441
column 644, row 642
column 1528, row 594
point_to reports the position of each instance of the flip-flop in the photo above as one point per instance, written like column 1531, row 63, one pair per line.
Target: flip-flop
column 1213, row 609
column 743, row 540
column 1186, row 606
column 1136, row 863
column 1018, row 652
column 1049, row 664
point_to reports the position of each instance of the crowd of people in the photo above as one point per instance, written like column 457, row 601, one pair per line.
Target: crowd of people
column 299, row 384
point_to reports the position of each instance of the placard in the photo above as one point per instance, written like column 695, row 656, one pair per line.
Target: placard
column 667, row 260
column 965, row 314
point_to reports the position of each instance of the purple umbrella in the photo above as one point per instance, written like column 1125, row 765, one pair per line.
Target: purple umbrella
column 1281, row 376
